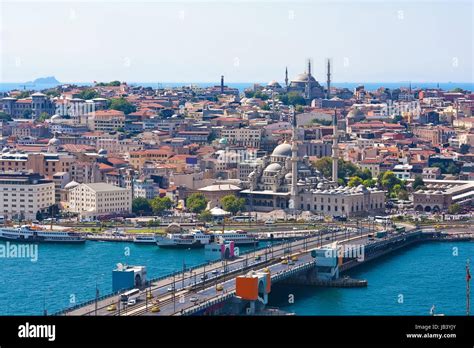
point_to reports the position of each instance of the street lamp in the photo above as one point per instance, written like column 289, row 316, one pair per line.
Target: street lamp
column 96, row 292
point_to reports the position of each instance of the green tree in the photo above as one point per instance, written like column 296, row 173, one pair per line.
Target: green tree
column 205, row 216
column 43, row 117
column 464, row 148
column 4, row 117
column 141, row 206
column 39, row 216
column 260, row 95
column 389, row 180
column 160, row 204
column 88, row 93
column 354, row 181
column 418, row 182
column 232, row 204
column 196, row 202
column 454, row 209
column 123, row 105
column 249, row 94
column 452, row 169
column 369, row 183
column 27, row 113
column 265, row 107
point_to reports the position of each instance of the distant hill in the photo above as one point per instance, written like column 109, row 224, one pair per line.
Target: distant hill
column 45, row 81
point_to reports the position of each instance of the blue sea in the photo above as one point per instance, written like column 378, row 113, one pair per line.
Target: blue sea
column 425, row 274
column 5, row 87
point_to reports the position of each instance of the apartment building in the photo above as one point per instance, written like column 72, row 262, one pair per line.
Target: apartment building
column 23, row 194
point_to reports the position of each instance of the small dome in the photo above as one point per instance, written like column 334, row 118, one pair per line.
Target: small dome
column 5, row 149
column 71, row 185
column 53, row 141
column 102, row 152
column 274, row 83
column 288, row 176
column 274, row 167
column 223, row 141
column 282, row 150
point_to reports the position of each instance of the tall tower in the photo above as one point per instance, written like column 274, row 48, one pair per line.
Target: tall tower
column 329, row 79
column 222, row 84
column 309, row 67
column 335, row 155
column 294, row 160
column 286, row 77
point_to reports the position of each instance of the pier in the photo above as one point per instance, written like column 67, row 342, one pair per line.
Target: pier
column 211, row 289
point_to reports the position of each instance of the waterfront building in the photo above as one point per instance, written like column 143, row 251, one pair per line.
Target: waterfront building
column 23, row 194
column 99, row 199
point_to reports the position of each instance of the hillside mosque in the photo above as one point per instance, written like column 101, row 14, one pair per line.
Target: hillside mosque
column 284, row 181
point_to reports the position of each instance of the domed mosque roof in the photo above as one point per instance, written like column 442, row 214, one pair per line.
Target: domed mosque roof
column 303, row 77
column 274, row 167
column 282, row 150
column 273, row 83
column 223, row 141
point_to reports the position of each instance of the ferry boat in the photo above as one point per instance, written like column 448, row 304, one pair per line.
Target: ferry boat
column 144, row 239
column 32, row 234
column 193, row 239
column 239, row 237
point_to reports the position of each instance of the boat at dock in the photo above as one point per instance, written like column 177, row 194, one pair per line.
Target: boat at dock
column 191, row 240
column 32, row 234
column 144, row 239
column 239, row 237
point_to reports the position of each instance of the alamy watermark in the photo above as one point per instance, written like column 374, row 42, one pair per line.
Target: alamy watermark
column 352, row 251
column 19, row 251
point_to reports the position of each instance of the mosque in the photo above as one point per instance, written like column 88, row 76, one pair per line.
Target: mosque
column 305, row 84
column 281, row 180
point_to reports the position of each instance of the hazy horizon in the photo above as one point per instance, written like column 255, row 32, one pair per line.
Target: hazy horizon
column 191, row 41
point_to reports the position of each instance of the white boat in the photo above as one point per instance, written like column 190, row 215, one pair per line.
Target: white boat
column 29, row 234
column 193, row 239
column 144, row 239
column 239, row 237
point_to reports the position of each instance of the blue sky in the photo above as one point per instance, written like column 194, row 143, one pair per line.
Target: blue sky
column 157, row 41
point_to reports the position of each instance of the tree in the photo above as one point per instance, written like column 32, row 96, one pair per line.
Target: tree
column 4, row 117
column 232, row 203
column 196, row 202
column 369, row 183
column 123, row 105
column 88, row 94
column 354, row 181
column 249, row 94
column 141, row 206
column 39, row 215
column 265, row 107
column 389, row 180
column 205, row 216
column 43, row 117
column 27, row 113
column 464, row 148
column 160, row 204
column 454, row 209
column 403, row 195
column 418, row 182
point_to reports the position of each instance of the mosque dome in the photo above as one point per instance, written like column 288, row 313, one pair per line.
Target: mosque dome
column 355, row 113
column 5, row 149
column 71, row 185
column 102, row 152
column 223, row 141
column 274, row 167
column 303, row 77
column 288, row 176
column 274, row 83
column 282, row 150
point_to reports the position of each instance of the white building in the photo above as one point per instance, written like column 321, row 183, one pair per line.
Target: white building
column 22, row 195
column 99, row 199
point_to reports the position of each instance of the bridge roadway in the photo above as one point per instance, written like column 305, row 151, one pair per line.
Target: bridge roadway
column 199, row 285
